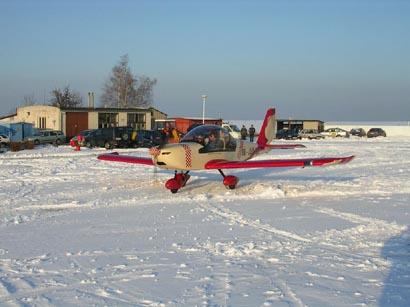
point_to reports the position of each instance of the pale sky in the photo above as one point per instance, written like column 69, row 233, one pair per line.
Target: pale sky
column 329, row 60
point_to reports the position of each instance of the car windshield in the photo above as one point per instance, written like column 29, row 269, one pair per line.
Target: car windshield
column 85, row 132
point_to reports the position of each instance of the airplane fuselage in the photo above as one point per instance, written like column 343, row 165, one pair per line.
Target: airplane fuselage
column 191, row 156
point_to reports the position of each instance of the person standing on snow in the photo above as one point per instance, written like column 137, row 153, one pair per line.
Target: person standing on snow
column 251, row 133
column 244, row 132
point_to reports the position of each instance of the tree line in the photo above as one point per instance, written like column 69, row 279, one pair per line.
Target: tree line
column 122, row 89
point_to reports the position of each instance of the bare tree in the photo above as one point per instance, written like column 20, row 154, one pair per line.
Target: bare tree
column 65, row 98
column 124, row 90
column 145, row 91
column 28, row 100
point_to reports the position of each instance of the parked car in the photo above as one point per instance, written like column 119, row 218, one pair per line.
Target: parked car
column 4, row 140
column 47, row 136
column 83, row 133
column 375, row 132
column 358, row 132
column 336, row 132
column 310, row 134
column 149, row 138
column 109, row 137
column 288, row 134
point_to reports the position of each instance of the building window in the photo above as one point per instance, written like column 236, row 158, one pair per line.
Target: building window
column 42, row 123
column 106, row 120
column 136, row 120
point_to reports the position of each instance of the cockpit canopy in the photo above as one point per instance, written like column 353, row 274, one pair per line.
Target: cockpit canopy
column 211, row 136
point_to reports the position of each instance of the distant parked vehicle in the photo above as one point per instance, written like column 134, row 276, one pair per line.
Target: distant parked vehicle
column 148, row 138
column 288, row 134
column 336, row 132
column 109, row 137
column 358, row 132
column 375, row 132
column 310, row 134
column 83, row 133
column 4, row 140
column 47, row 136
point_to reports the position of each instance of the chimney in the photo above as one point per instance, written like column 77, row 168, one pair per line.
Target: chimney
column 91, row 100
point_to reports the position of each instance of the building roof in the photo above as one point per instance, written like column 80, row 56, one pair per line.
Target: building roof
column 299, row 120
column 7, row 116
column 195, row 118
column 110, row 109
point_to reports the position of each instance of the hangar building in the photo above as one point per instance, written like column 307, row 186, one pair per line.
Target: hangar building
column 73, row 120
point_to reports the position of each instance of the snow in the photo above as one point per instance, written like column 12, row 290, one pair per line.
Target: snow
column 78, row 231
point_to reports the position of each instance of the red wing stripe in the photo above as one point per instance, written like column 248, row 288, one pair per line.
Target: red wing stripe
column 219, row 164
column 127, row 159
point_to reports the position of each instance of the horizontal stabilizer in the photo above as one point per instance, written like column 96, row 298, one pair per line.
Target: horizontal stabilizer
column 284, row 146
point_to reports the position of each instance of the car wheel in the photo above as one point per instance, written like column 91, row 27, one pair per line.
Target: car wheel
column 107, row 145
column 58, row 142
column 36, row 142
column 88, row 144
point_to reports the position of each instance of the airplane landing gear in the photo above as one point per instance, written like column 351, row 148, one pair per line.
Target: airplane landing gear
column 229, row 181
column 179, row 181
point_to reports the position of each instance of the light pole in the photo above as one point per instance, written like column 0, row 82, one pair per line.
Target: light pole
column 204, row 97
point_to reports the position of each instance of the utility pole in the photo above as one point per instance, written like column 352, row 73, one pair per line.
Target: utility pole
column 204, row 97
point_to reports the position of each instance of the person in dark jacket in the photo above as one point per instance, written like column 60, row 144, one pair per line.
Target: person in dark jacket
column 244, row 132
column 251, row 133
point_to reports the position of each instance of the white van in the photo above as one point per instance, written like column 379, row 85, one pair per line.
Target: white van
column 234, row 131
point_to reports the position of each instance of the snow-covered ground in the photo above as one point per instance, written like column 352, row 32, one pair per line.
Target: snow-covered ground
column 78, row 231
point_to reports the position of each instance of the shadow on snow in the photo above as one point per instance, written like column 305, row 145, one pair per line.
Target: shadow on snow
column 396, row 290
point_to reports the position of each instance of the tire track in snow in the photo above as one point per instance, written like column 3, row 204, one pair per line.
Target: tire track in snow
column 237, row 217
column 359, row 219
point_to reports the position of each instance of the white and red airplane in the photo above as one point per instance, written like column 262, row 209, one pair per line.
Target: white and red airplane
column 209, row 147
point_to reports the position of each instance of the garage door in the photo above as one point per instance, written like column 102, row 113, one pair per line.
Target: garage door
column 76, row 122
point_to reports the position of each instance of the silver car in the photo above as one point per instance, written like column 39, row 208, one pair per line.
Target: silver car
column 310, row 134
column 48, row 136
column 4, row 140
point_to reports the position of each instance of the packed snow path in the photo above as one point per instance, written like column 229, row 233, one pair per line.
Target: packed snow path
column 78, row 231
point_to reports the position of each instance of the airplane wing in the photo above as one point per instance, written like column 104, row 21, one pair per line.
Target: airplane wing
column 123, row 158
column 223, row 164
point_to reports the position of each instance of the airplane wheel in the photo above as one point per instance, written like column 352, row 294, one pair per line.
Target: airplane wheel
column 232, row 187
column 173, row 191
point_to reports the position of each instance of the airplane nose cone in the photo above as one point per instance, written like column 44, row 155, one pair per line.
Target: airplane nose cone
column 154, row 151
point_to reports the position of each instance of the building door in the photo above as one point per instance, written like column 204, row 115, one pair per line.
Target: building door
column 76, row 122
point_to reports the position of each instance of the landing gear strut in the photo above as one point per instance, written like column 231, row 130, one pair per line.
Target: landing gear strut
column 179, row 181
column 229, row 181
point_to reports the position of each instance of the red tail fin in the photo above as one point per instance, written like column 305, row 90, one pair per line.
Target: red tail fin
column 268, row 129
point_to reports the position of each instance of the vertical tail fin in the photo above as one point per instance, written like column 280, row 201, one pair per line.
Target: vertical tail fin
column 268, row 129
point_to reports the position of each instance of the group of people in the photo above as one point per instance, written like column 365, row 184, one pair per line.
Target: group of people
column 245, row 132
column 170, row 134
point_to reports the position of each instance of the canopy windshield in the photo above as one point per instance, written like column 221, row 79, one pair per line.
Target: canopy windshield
column 214, row 138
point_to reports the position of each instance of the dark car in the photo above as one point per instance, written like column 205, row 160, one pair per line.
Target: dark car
column 149, row 138
column 288, row 134
column 109, row 137
column 358, row 132
column 375, row 132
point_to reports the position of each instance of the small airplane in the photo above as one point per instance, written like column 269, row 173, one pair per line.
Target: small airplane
column 210, row 147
